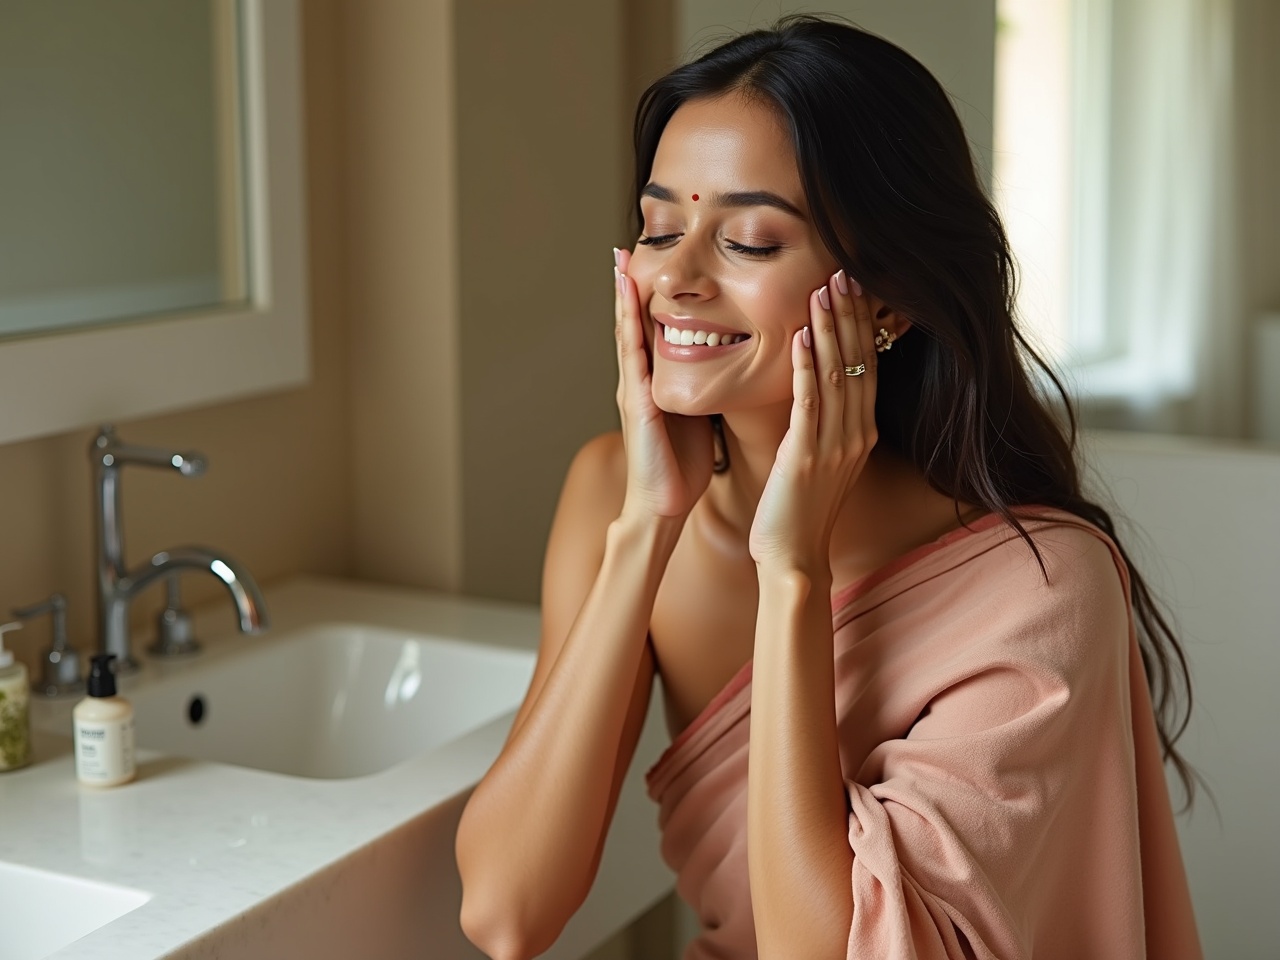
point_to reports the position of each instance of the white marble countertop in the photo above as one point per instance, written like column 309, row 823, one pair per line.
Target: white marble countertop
column 209, row 841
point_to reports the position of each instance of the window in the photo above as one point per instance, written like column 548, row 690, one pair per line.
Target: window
column 1113, row 136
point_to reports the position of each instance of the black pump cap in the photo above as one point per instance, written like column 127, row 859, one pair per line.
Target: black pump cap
column 102, row 679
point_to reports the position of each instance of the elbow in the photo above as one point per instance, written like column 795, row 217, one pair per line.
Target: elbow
column 508, row 911
column 498, row 933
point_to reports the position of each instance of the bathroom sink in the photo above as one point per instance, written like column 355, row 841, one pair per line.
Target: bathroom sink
column 43, row 912
column 329, row 701
column 374, row 710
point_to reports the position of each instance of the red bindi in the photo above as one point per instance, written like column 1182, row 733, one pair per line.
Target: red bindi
column 695, row 198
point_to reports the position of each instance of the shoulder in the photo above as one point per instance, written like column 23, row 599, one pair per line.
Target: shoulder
column 1063, row 548
column 603, row 454
column 1071, row 602
column 592, row 494
column 1077, row 555
column 599, row 469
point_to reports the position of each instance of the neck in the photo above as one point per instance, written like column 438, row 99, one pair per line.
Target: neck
column 885, row 500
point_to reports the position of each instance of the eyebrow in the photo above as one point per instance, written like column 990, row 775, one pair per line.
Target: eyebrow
column 737, row 198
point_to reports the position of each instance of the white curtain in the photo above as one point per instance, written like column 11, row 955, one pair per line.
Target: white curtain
column 1158, row 331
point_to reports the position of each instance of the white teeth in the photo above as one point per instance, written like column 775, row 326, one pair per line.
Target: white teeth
column 688, row 338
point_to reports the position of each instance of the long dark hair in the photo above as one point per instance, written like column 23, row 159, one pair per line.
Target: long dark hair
column 895, row 196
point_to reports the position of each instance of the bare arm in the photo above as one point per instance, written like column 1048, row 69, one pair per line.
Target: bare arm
column 797, row 815
column 531, row 837
column 799, row 855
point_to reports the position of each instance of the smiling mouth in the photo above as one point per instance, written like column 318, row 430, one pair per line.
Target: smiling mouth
column 700, row 338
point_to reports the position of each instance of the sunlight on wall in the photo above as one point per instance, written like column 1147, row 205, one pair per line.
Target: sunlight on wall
column 1033, row 160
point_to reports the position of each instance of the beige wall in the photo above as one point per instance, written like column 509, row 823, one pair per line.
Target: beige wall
column 540, row 202
column 398, row 63
column 489, row 167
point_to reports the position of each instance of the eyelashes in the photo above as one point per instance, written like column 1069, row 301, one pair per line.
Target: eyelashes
column 733, row 245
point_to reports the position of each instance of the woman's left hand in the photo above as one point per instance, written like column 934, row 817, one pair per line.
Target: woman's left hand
column 830, row 436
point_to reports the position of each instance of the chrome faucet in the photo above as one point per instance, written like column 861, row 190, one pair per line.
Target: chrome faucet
column 117, row 586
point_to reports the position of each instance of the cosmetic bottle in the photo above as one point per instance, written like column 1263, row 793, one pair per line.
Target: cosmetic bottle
column 103, row 729
column 15, row 708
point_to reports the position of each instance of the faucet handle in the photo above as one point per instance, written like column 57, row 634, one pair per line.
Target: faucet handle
column 107, row 450
column 175, row 632
column 60, row 665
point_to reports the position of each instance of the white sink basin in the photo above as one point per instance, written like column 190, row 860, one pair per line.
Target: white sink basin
column 44, row 912
column 330, row 701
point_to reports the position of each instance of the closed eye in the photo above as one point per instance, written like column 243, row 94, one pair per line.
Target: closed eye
column 752, row 251
column 732, row 244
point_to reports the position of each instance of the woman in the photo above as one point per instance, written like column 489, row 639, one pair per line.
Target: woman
column 831, row 445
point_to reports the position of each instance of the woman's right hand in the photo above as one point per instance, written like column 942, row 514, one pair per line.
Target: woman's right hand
column 669, row 456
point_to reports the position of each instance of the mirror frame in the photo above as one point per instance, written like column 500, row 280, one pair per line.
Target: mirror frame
column 66, row 380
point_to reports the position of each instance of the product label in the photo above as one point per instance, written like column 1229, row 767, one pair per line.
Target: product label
column 104, row 751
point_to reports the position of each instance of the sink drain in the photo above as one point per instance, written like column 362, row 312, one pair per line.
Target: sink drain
column 196, row 710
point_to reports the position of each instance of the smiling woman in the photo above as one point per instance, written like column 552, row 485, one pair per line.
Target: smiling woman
column 904, row 661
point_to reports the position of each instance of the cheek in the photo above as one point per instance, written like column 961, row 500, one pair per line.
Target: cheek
column 774, row 302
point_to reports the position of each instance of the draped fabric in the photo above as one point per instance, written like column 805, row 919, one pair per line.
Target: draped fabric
column 1000, row 756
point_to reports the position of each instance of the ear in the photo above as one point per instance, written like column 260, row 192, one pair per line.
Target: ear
column 889, row 318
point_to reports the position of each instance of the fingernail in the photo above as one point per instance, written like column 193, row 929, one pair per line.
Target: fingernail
column 824, row 298
column 617, row 279
column 617, row 257
column 804, row 335
column 841, row 285
column 857, row 287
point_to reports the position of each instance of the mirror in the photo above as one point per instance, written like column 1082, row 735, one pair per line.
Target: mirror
column 121, row 174
column 152, row 245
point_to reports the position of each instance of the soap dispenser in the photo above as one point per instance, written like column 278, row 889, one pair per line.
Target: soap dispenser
column 15, row 708
column 103, row 729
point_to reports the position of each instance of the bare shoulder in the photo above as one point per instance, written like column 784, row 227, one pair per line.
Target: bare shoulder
column 597, row 480
column 590, row 499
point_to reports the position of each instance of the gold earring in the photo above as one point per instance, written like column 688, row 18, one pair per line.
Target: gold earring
column 884, row 340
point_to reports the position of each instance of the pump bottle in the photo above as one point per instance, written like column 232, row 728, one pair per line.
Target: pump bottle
column 15, row 708
column 103, row 729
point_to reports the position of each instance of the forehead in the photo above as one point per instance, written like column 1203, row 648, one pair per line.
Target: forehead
column 727, row 143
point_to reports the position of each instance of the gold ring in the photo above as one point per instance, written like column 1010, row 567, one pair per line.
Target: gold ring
column 857, row 371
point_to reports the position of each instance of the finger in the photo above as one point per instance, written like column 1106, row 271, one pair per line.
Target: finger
column 864, row 323
column 847, row 333
column 646, row 328
column 633, row 355
column 805, row 398
column 619, row 332
column 829, row 367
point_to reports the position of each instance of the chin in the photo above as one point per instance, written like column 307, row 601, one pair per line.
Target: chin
column 680, row 399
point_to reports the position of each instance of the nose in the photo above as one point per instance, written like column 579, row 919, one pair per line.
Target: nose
column 683, row 272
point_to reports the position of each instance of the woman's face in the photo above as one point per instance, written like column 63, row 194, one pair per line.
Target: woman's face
column 733, row 252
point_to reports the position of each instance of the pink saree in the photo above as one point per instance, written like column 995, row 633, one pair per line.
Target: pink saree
column 1000, row 756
